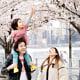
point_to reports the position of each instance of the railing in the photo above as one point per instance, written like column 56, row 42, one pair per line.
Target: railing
column 73, row 72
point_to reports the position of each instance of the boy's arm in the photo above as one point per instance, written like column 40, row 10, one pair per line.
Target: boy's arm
column 32, row 13
column 29, row 58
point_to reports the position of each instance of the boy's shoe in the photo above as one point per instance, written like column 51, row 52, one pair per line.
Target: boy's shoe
column 16, row 70
column 33, row 67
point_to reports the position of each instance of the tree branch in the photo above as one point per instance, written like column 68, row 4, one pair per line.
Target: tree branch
column 65, row 7
column 75, row 26
column 2, row 45
column 75, row 6
column 1, row 40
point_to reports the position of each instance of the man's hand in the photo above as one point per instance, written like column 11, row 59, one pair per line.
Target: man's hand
column 4, row 71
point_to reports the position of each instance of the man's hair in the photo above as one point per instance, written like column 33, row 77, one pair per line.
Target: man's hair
column 22, row 39
column 14, row 23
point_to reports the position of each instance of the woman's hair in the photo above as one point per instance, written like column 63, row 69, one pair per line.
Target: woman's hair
column 14, row 23
column 22, row 39
column 57, row 57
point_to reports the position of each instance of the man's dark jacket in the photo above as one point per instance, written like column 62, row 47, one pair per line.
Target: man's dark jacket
column 16, row 76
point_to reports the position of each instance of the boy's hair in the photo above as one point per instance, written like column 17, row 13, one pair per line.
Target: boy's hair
column 14, row 23
column 22, row 39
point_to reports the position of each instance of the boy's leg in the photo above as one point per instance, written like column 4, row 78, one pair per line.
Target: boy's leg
column 15, row 57
column 15, row 61
column 28, row 58
column 29, row 61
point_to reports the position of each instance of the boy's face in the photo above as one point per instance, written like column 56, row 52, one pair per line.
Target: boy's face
column 20, row 24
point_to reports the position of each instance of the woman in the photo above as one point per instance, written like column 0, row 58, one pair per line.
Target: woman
column 53, row 68
column 24, row 72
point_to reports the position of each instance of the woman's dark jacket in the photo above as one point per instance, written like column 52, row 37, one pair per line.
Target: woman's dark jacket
column 16, row 76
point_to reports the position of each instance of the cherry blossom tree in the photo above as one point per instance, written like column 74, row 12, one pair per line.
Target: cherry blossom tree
column 45, row 10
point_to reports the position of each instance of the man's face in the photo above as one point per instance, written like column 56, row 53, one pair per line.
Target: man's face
column 21, row 48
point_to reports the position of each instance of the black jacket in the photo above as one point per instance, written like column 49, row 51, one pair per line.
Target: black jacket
column 16, row 76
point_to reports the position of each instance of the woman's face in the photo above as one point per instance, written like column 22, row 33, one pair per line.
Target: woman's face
column 20, row 24
column 21, row 48
column 52, row 52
